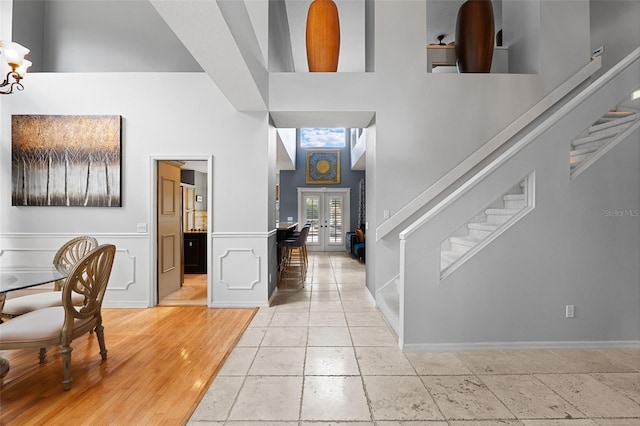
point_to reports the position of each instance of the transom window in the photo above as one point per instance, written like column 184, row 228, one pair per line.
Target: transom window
column 322, row 137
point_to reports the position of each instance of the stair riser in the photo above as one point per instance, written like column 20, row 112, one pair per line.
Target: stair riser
column 608, row 123
column 448, row 259
column 477, row 234
column 589, row 147
column 601, row 136
column 514, row 204
column 498, row 219
column 459, row 248
column 577, row 159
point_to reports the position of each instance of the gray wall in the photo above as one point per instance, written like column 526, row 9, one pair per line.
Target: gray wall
column 614, row 25
column 290, row 181
column 98, row 36
column 31, row 33
column 201, row 190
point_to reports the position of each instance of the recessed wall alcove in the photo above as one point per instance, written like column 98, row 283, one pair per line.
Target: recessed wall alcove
column 441, row 22
column 287, row 27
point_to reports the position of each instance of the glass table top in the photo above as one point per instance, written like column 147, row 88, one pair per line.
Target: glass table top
column 11, row 280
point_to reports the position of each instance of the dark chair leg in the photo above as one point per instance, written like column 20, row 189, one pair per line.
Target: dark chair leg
column 103, row 348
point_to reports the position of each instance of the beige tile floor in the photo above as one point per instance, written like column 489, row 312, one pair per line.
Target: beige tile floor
column 324, row 355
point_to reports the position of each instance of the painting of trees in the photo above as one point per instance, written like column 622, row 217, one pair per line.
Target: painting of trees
column 66, row 160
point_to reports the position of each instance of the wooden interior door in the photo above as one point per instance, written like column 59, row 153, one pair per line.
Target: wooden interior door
column 169, row 228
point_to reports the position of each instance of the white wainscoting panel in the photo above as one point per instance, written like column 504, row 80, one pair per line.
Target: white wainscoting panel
column 241, row 271
column 129, row 282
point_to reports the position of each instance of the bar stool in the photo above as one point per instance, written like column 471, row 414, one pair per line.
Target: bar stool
column 294, row 259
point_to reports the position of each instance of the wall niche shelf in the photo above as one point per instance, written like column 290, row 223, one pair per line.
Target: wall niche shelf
column 442, row 59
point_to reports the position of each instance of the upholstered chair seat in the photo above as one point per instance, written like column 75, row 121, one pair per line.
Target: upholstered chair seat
column 64, row 260
column 24, row 304
column 42, row 325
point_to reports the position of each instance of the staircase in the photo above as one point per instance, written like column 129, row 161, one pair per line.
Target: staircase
column 600, row 134
column 388, row 301
column 484, row 227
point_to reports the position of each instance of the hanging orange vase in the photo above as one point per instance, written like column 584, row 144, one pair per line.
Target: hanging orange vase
column 474, row 36
column 323, row 36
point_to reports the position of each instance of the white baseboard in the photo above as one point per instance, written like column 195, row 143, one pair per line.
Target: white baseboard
column 494, row 346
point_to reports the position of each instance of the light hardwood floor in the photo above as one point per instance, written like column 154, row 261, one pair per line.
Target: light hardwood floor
column 160, row 362
column 193, row 292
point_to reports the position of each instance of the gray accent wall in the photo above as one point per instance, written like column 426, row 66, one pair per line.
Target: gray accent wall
column 290, row 181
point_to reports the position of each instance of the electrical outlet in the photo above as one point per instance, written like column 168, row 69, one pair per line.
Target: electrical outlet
column 142, row 228
column 385, row 214
column 570, row 311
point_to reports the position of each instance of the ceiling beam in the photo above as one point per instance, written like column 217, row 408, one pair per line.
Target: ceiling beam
column 203, row 29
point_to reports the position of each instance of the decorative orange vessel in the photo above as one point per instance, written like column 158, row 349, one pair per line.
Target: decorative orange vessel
column 323, row 36
column 475, row 36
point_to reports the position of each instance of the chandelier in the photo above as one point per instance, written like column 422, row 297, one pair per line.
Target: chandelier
column 12, row 56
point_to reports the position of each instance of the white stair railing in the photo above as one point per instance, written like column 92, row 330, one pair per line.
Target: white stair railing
column 487, row 149
column 423, row 294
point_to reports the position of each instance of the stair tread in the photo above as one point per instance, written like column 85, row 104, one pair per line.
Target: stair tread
column 625, row 117
column 466, row 241
column 503, row 212
column 513, row 197
column 583, row 151
column 481, row 226
column 449, row 254
column 577, row 159
column 604, row 134
column 592, row 145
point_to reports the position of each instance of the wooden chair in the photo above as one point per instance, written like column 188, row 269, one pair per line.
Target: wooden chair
column 64, row 260
column 59, row 325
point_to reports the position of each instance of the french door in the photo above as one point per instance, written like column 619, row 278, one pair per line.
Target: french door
column 327, row 210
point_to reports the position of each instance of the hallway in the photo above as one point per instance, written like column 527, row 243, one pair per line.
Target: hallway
column 324, row 354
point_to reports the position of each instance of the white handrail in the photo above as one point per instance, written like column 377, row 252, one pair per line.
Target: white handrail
column 485, row 150
column 521, row 144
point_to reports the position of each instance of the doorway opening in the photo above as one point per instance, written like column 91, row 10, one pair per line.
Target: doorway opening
column 182, row 230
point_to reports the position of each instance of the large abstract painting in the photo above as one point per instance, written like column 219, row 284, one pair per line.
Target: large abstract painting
column 66, row 160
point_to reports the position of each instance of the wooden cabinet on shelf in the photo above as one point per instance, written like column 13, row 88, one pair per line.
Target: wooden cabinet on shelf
column 195, row 252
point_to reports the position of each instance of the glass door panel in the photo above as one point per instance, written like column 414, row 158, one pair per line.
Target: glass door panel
column 312, row 216
column 328, row 214
column 334, row 228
